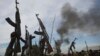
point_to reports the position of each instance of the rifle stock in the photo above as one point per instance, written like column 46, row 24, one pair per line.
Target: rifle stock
column 10, row 22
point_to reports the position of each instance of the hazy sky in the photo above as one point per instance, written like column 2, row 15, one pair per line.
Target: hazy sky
column 48, row 9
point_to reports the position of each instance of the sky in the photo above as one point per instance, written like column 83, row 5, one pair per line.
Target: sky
column 48, row 10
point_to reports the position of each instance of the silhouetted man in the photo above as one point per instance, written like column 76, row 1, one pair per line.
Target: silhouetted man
column 9, row 50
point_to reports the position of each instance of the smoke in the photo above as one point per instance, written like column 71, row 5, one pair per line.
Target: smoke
column 72, row 19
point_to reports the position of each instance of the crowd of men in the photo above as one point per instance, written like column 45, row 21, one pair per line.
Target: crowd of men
column 85, row 53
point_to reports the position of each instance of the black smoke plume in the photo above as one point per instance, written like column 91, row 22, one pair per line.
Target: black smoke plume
column 72, row 19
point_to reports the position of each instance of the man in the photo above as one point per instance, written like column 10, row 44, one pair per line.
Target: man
column 9, row 50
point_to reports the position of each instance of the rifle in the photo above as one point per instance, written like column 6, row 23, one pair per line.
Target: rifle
column 87, row 48
column 28, row 38
column 17, row 27
column 42, row 27
column 72, row 46
column 44, row 33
